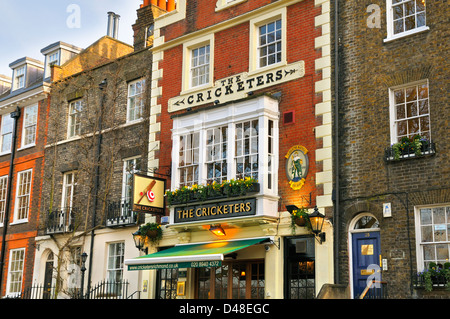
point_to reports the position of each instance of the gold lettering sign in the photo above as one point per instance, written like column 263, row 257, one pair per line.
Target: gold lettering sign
column 148, row 194
column 237, row 208
column 237, row 86
column 366, row 249
column 367, row 272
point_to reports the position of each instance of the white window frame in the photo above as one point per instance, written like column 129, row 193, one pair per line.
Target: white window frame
column 68, row 190
column 127, row 176
column 6, row 131
column 224, row 4
column 390, row 22
column 134, row 98
column 230, row 115
column 3, row 190
column 15, row 268
column 115, row 263
column 435, row 226
column 393, row 110
column 74, row 120
column 19, row 77
column 19, row 216
column 200, row 66
column 30, row 125
column 188, row 48
column 255, row 24
column 52, row 58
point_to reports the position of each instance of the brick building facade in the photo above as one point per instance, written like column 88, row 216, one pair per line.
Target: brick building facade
column 97, row 139
column 228, row 109
column 393, row 84
column 23, row 106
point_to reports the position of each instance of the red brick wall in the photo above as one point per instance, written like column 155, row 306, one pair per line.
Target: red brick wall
column 231, row 56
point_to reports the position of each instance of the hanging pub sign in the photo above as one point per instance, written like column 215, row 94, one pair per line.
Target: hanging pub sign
column 238, row 86
column 148, row 194
column 297, row 165
column 237, row 208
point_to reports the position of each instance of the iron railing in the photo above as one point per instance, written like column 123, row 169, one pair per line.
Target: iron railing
column 374, row 290
column 409, row 152
column 60, row 221
column 120, row 213
column 102, row 290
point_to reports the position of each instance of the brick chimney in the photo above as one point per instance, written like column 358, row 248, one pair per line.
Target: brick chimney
column 143, row 28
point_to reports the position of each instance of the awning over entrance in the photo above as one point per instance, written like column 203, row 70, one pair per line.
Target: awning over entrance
column 209, row 254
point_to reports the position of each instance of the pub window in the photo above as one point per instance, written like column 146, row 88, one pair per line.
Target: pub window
column 189, row 159
column 167, row 284
column 232, row 280
column 300, row 264
column 216, row 154
column 247, row 149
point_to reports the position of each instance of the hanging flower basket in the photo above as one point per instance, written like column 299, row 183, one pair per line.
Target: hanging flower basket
column 300, row 218
column 152, row 231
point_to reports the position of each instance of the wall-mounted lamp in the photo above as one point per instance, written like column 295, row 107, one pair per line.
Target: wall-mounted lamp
column 217, row 230
column 139, row 241
column 316, row 219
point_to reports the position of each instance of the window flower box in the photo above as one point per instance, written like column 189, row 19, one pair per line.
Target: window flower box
column 195, row 193
column 410, row 148
column 433, row 278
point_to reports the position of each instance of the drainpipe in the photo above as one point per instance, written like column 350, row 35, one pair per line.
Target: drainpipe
column 15, row 115
column 336, row 142
column 101, row 86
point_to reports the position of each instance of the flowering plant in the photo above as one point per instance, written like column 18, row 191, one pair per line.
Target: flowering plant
column 152, row 231
column 201, row 192
column 433, row 274
column 409, row 145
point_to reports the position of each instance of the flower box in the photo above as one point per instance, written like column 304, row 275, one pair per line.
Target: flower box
column 410, row 148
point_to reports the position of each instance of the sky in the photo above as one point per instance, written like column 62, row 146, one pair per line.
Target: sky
column 27, row 26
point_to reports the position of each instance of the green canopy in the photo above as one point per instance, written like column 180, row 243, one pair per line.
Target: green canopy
column 209, row 254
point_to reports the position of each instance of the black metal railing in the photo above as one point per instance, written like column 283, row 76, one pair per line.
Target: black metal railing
column 375, row 290
column 408, row 151
column 60, row 221
column 102, row 290
column 120, row 213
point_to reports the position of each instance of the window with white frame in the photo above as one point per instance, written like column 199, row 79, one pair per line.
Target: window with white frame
column 6, row 130
column 3, row 185
column 68, row 191
column 433, row 235
column 188, row 155
column 22, row 203
column 75, row 111
column 410, row 112
column 114, row 269
column 405, row 17
column 135, row 100
column 246, row 153
column 200, row 66
column 270, row 43
column 52, row 59
column 19, row 78
column 130, row 166
column 29, row 125
column 226, row 146
column 216, row 154
column 15, row 271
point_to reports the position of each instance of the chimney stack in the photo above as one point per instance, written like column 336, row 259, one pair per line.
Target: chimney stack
column 167, row 5
column 113, row 25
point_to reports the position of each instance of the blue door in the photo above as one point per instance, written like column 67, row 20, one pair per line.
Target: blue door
column 366, row 259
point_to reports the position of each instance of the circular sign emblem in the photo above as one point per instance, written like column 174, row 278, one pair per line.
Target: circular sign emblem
column 150, row 196
column 297, row 165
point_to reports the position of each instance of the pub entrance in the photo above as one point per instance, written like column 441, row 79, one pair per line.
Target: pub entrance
column 232, row 280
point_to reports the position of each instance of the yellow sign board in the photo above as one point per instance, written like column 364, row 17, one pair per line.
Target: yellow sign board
column 148, row 194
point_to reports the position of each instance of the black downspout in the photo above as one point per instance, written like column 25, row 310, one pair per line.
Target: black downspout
column 101, row 86
column 336, row 142
column 15, row 115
